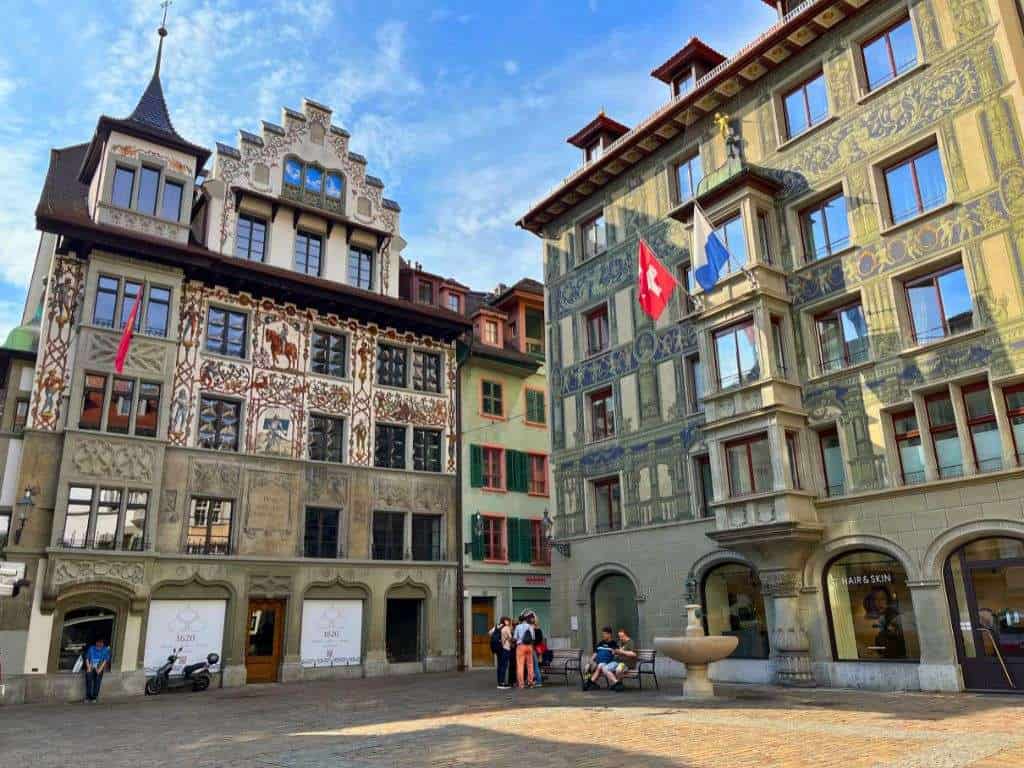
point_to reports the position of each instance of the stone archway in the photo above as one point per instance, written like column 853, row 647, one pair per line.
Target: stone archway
column 613, row 603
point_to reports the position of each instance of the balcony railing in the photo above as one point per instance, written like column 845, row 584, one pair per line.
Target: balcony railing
column 853, row 357
column 914, row 478
column 951, row 470
column 993, row 464
column 836, row 489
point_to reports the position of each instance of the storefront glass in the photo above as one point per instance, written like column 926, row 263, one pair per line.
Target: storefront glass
column 734, row 606
column 872, row 615
column 81, row 629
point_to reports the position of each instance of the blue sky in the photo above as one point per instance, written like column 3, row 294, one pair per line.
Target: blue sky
column 461, row 108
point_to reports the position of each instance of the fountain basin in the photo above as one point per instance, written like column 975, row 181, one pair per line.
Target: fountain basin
column 696, row 650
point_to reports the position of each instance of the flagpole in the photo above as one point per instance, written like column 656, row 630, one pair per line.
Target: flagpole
column 744, row 268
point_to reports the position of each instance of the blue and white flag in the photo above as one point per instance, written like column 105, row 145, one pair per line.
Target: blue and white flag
column 709, row 253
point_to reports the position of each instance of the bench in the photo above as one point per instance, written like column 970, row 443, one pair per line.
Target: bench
column 564, row 662
column 644, row 666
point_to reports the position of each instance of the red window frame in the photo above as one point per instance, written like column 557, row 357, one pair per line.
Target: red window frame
column 489, row 455
column 913, row 434
column 541, row 552
column 538, row 474
column 495, row 538
column 603, row 397
column 1011, row 414
column 978, row 420
column 933, row 278
column 912, row 162
column 941, row 429
column 746, row 442
column 805, row 225
column 605, row 486
column 834, row 314
column 807, row 105
column 600, row 315
column 893, row 74
column 829, row 486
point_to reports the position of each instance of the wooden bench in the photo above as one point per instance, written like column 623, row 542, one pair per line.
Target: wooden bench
column 644, row 666
column 564, row 662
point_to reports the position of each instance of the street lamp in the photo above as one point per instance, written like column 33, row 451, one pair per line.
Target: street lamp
column 563, row 547
column 24, row 507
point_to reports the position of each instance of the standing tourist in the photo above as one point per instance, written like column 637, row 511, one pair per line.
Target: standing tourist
column 501, row 647
column 539, row 646
column 97, row 661
column 523, row 636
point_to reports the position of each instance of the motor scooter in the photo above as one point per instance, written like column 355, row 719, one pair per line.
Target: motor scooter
column 197, row 675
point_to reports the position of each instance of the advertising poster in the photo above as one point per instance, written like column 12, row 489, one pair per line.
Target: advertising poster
column 332, row 633
column 195, row 626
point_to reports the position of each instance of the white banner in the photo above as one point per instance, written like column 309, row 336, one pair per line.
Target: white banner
column 195, row 626
column 332, row 633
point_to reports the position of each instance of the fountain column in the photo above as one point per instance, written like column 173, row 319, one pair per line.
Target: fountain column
column 791, row 657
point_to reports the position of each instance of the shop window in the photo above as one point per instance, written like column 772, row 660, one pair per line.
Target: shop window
column 734, row 607
column 689, row 173
column 536, row 414
column 908, row 446
column 391, row 365
column 426, row 450
column 360, row 268
column 832, row 462
column 608, row 504
column 702, row 466
column 736, row 354
column 225, row 332
column 695, row 383
column 1014, row 397
column 329, row 352
column 80, row 629
column 889, row 54
column 388, row 535
column 915, row 185
column 595, row 236
column 749, row 463
column 426, row 537
column 945, row 440
column 602, row 414
column 219, row 421
column 732, row 235
column 793, row 454
column 251, row 238
column 389, row 446
column 984, row 431
column 326, row 439
column 806, row 105
column 538, row 474
column 940, row 305
column 209, row 530
column 842, row 337
column 597, row 330
column 826, row 228
column 492, row 398
column 322, row 527
column 20, row 415
column 493, row 461
column 123, row 189
column 870, row 609
column 426, row 371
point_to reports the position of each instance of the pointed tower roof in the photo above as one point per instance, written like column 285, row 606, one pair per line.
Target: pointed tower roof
column 150, row 120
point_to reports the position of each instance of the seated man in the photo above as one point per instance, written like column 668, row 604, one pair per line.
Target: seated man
column 625, row 656
column 603, row 661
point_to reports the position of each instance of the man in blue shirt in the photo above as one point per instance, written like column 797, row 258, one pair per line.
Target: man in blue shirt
column 97, row 661
column 603, row 662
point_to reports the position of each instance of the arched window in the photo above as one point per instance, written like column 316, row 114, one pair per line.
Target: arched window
column 871, row 614
column 734, row 606
column 81, row 629
column 613, row 604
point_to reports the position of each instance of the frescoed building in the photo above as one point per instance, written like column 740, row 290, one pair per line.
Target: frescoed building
column 504, row 476
column 273, row 474
column 823, row 448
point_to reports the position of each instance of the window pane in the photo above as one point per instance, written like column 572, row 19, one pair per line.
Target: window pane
column 931, row 179
column 940, row 412
column 734, row 606
column 360, row 268
column 904, row 47
column 426, row 371
column 124, row 181
column 902, row 195
column 871, row 608
column 988, row 448
column 838, row 224
column 218, row 424
column 725, row 349
column 739, row 469
column 391, row 363
column 761, row 461
column 830, row 338
column 76, row 522
column 334, row 185
column 157, row 311
column 912, row 460
column 855, row 334
column 131, row 293
column 314, row 179
column 119, row 415
column 389, row 446
column 947, row 454
column 745, row 343
column 956, row 301
column 426, row 450
column 817, row 99
column 818, row 246
column 149, row 181
column 735, row 241
column 426, row 537
column 108, row 509
column 292, row 172
column 832, row 460
column 106, row 301
column 321, row 532
column 388, row 535
column 328, row 354
column 925, row 313
column 92, row 402
column 877, row 65
column 978, row 404
column 135, row 521
column 796, row 112
column 170, row 208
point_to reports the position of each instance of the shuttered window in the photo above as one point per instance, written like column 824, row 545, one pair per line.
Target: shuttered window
column 535, row 407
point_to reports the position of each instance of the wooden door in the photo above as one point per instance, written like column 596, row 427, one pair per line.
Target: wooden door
column 482, row 621
column 265, row 640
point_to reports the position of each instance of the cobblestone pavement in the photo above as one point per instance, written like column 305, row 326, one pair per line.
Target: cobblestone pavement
column 461, row 720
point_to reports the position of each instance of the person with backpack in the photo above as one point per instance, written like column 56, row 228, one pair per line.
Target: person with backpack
column 539, row 648
column 523, row 637
column 501, row 647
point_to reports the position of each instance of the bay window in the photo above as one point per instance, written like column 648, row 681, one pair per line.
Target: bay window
column 981, row 423
column 915, row 185
column 940, row 304
column 842, row 337
column 908, row 446
column 749, row 465
column 133, row 406
column 732, row 235
column 736, row 355
column 945, row 440
column 105, row 518
column 1014, row 398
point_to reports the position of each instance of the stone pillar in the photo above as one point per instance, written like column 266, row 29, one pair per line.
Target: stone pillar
column 939, row 669
column 791, row 649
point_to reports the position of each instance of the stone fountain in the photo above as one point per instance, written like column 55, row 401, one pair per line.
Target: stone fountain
column 696, row 651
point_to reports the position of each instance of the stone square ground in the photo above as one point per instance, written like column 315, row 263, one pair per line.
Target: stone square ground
column 461, row 720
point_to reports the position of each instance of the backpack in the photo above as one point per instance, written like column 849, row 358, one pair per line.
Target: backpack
column 527, row 638
column 496, row 640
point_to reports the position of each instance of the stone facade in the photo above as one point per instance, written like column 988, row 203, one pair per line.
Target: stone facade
column 961, row 97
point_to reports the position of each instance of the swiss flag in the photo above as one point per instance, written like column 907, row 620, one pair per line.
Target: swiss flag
column 656, row 283
column 126, row 337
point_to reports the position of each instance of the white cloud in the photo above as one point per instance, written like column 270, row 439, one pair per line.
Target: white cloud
column 382, row 75
column 511, row 66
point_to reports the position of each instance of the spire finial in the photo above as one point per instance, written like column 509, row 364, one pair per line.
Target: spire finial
column 162, row 31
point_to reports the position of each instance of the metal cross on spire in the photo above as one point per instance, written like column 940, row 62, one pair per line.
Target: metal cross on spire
column 162, row 31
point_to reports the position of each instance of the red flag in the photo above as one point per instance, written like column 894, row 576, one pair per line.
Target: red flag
column 126, row 337
column 656, row 283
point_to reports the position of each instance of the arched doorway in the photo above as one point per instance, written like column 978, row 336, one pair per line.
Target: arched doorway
column 80, row 629
column 613, row 604
column 734, row 606
column 985, row 585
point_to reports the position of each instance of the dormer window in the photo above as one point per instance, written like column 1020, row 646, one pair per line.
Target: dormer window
column 491, row 332
column 593, row 151
column 335, row 185
column 310, row 184
column 170, row 206
column 453, row 303
column 149, row 183
column 145, row 197
column 124, row 187
column 683, row 82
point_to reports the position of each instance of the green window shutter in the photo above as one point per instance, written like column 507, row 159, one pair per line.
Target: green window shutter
column 512, row 535
column 535, row 407
column 476, row 524
column 476, row 466
column 510, row 470
column 523, row 471
column 526, row 541
column 516, row 471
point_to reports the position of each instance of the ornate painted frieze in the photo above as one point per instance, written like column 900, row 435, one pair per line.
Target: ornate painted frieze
column 102, row 457
column 418, row 410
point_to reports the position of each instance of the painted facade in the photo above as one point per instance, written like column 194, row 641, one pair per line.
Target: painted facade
column 834, row 478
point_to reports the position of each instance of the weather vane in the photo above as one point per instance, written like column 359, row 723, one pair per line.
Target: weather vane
column 165, row 5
